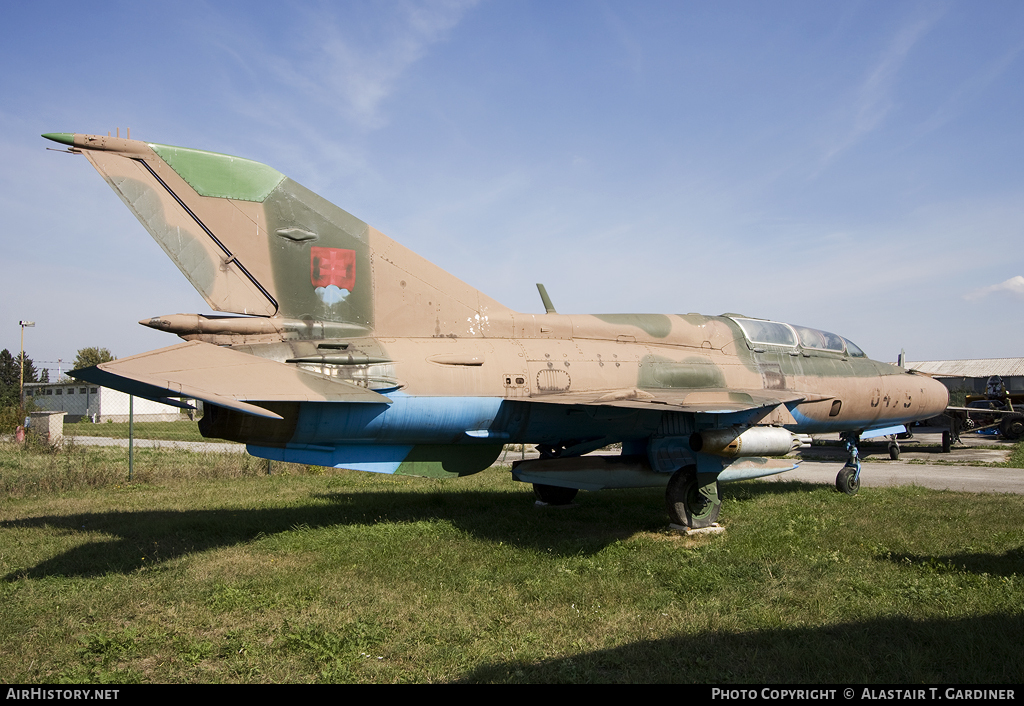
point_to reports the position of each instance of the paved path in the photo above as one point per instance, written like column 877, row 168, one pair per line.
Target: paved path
column 921, row 463
column 199, row 446
column 975, row 479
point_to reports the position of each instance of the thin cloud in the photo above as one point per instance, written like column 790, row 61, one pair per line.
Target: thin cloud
column 360, row 73
column 1013, row 286
column 874, row 98
column 331, row 63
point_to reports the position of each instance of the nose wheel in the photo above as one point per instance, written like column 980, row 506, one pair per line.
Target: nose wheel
column 848, row 480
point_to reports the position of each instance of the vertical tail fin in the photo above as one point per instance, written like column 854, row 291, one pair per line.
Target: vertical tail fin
column 252, row 241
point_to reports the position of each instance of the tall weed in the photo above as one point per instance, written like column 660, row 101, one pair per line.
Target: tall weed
column 34, row 467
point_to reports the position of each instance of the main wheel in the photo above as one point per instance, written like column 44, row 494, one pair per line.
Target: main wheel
column 847, row 481
column 894, row 452
column 1012, row 426
column 689, row 503
column 554, row 494
column 947, row 442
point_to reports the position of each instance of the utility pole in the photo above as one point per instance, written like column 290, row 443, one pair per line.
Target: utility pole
column 21, row 380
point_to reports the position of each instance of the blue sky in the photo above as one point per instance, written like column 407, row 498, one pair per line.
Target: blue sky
column 852, row 166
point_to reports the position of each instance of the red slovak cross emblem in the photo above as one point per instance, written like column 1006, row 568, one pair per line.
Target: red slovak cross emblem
column 335, row 266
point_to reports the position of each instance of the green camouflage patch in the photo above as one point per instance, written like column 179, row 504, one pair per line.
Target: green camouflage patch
column 654, row 325
column 220, row 175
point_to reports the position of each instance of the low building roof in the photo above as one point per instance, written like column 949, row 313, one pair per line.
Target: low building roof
column 977, row 368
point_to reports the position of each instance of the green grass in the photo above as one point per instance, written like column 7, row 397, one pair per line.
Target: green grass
column 208, row 570
column 1016, row 459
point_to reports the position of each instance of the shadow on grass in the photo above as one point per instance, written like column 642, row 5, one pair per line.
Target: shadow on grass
column 751, row 489
column 976, row 650
column 1010, row 563
column 148, row 538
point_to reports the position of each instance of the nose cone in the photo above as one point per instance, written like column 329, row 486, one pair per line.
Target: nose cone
column 936, row 397
column 65, row 138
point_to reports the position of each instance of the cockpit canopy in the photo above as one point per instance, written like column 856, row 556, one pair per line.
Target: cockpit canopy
column 775, row 333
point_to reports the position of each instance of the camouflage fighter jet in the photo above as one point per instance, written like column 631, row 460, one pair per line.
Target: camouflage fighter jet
column 342, row 348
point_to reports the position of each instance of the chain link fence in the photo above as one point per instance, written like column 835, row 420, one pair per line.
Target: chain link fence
column 70, row 413
column 91, row 411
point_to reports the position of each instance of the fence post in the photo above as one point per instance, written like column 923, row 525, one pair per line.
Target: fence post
column 131, row 436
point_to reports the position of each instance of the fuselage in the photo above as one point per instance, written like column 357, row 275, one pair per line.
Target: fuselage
column 486, row 388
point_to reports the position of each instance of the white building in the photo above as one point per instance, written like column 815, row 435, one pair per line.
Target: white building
column 100, row 404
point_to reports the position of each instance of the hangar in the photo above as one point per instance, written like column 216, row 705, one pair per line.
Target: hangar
column 970, row 376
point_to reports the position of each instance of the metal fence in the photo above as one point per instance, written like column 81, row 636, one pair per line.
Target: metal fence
column 93, row 415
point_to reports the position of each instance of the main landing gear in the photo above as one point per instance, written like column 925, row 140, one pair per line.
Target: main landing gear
column 848, row 480
column 692, row 498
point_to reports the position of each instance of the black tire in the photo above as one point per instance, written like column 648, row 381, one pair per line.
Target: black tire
column 554, row 494
column 687, row 505
column 847, row 482
column 894, row 452
column 947, row 442
column 1012, row 427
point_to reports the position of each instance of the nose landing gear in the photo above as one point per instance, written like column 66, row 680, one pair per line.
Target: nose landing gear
column 848, row 480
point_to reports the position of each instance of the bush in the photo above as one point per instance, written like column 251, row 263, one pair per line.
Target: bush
column 11, row 417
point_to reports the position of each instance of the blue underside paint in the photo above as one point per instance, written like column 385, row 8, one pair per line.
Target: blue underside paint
column 374, row 459
column 747, row 469
column 407, row 421
column 413, row 420
column 380, row 438
column 806, row 425
column 883, row 431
